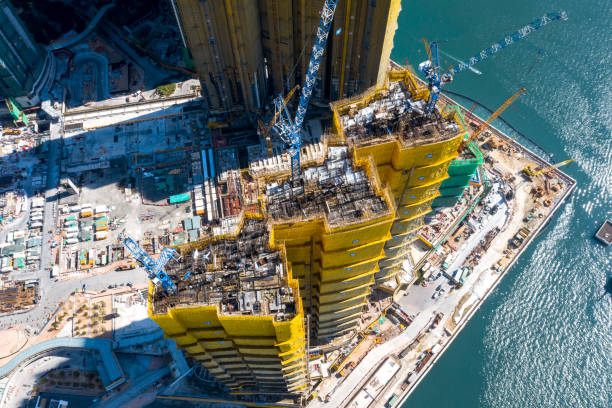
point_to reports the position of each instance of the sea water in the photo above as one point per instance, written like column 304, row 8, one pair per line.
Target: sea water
column 543, row 338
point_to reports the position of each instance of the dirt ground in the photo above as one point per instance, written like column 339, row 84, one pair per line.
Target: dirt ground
column 11, row 342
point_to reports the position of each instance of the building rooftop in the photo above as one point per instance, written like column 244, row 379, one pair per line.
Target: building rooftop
column 335, row 191
column 394, row 114
column 242, row 276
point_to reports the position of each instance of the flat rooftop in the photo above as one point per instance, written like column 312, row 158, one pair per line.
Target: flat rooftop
column 334, row 190
column 242, row 276
column 395, row 115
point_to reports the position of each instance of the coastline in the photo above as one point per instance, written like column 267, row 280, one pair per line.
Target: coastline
column 571, row 182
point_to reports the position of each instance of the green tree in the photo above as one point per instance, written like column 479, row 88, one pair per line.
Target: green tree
column 166, row 90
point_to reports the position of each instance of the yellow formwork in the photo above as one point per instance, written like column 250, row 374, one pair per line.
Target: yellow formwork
column 417, row 210
column 334, row 315
column 334, row 265
column 401, row 239
column 346, row 271
column 420, row 193
column 343, row 304
column 344, row 284
column 348, row 318
column 398, row 251
column 362, row 253
column 205, row 332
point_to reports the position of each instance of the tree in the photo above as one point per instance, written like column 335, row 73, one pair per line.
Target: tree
column 166, row 90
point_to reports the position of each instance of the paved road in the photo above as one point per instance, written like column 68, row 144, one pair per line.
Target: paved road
column 353, row 382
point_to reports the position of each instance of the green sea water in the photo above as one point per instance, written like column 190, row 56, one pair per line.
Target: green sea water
column 543, row 338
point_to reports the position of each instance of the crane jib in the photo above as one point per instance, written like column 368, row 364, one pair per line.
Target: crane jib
column 508, row 40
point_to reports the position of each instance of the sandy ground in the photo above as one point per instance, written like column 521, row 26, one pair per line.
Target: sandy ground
column 11, row 342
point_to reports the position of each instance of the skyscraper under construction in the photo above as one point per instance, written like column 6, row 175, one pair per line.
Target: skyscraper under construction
column 247, row 50
column 290, row 264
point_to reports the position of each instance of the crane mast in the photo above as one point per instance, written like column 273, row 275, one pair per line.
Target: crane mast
column 288, row 129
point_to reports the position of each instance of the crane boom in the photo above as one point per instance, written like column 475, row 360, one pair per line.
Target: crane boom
column 508, row 40
column 431, row 67
column 494, row 115
column 288, row 129
column 554, row 166
column 155, row 269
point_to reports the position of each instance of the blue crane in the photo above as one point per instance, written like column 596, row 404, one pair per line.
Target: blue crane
column 431, row 68
column 289, row 130
column 155, row 269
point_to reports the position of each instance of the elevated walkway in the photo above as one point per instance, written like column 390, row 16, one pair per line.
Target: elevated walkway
column 109, row 369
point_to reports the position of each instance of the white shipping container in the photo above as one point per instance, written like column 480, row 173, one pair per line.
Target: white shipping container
column 101, row 209
column 71, row 241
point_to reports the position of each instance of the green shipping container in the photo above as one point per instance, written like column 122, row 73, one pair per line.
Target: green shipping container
column 180, row 198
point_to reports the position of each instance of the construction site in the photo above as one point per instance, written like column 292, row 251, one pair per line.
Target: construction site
column 314, row 252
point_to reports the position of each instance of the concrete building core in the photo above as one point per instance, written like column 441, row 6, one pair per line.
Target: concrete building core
column 291, row 263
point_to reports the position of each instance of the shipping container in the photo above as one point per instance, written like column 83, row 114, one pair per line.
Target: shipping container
column 101, row 220
column 180, row 198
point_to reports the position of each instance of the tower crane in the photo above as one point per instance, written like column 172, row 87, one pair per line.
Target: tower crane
column 431, row 67
column 154, row 269
column 494, row 116
column 289, row 129
column 265, row 130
